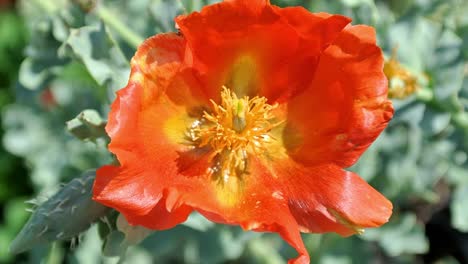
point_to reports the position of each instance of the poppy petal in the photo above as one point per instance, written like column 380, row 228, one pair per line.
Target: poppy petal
column 159, row 54
column 243, row 45
column 144, row 206
column 154, row 110
column 316, row 32
column 147, row 125
column 236, row 44
column 253, row 202
column 327, row 198
column 347, row 105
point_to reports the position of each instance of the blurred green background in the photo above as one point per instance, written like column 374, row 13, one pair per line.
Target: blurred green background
column 59, row 57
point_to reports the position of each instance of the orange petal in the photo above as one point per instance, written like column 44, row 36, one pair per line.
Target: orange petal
column 123, row 116
column 317, row 30
column 347, row 105
column 253, row 202
column 147, row 125
column 237, row 44
column 326, row 198
column 257, row 49
column 154, row 110
column 138, row 197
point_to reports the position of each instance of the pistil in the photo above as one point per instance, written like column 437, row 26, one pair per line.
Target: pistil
column 235, row 129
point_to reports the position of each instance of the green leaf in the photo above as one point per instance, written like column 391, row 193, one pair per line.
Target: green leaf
column 330, row 259
column 133, row 234
column 356, row 3
column 95, row 48
column 416, row 39
column 164, row 11
column 31, row 75
column 196, row 5
column 89, row 250
column 264, row 252
column 42, row 60
column 12, row 41
column 198, row 222
column 114, row 244
column 88, row 125
column 434, row 122
column 402, row 235
column 189, row 246
column 368, row 163
column 459, row 208
column 447, row 69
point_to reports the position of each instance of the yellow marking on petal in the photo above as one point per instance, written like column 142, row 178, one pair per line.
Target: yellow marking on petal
column 342, row 220
column 243, row 76
column 175, row 128
column 228, row 190
column 235, row 130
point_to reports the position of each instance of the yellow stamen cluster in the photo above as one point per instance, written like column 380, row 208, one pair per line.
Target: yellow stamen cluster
column 402, row 83
column 235, row 129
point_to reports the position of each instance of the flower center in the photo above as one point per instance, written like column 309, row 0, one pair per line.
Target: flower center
column 235, row 129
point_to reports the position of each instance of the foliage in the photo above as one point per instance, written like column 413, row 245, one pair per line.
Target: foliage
column 77, row 57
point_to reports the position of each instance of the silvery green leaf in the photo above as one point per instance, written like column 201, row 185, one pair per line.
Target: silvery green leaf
column 133, row 234
column 164, row 11
column 88, row 125
column 96, row 49
column 403, row 235
column 114, row 244
column 459, row 208
column 198, row 222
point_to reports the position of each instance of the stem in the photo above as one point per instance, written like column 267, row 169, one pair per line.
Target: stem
column 113, row 22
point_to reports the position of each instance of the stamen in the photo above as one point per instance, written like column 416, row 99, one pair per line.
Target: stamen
column 234, row 129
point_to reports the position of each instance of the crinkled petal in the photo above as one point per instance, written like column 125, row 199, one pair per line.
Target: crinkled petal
column 236, row 44
column 122, row 189
column 346, row 102
column 253, row 202
column 317, row 30
column 147, row 125
column 260, row 50
column 151, row 114
column 327, row 198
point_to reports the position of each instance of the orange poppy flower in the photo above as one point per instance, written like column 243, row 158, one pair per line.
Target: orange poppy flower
column 248, row 116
